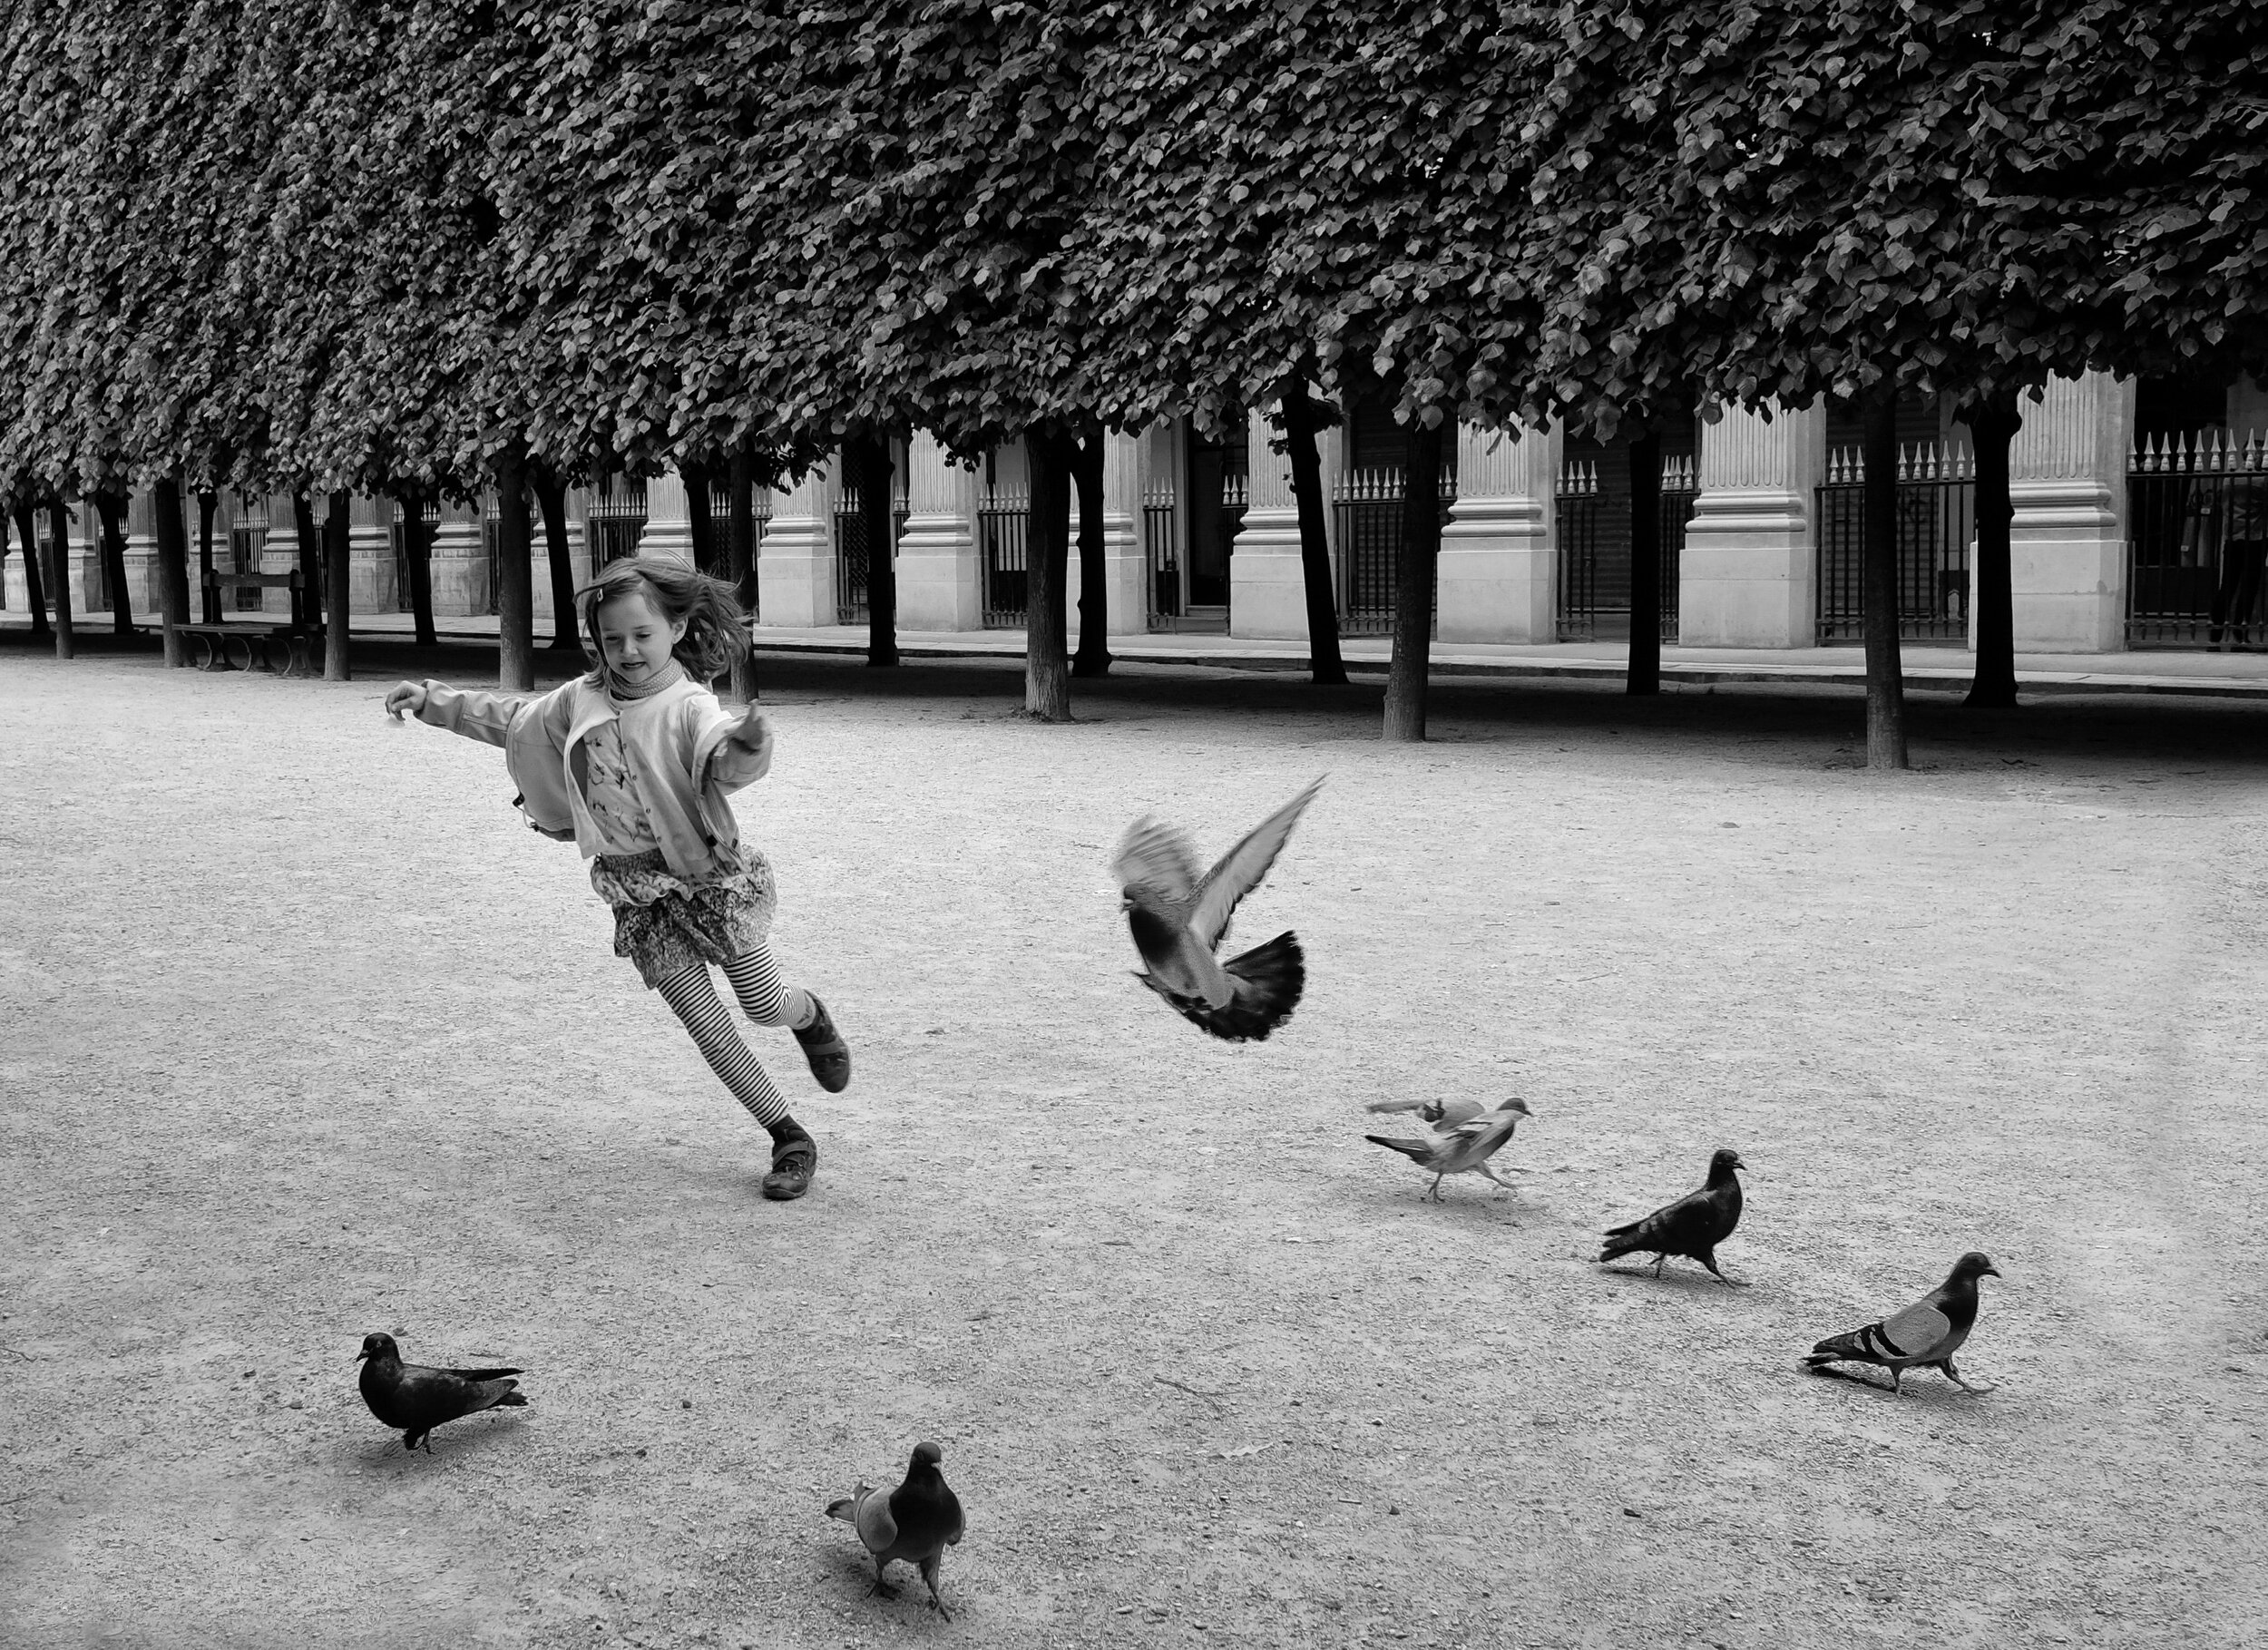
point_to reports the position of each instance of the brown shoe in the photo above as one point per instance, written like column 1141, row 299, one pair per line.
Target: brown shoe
column 793, row 1162
column 824, row 1046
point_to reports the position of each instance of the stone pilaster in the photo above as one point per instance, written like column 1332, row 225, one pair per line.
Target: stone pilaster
column 371, row 583
column 143, row 594
column 668, row 530
column 1749, row 574
column 940, row 577
column 795, row 573
column 1267, row 587
column 2067, row 544
column 1496, row 563
column 462, row 578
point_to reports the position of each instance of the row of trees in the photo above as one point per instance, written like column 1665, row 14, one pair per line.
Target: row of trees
column 410, row 246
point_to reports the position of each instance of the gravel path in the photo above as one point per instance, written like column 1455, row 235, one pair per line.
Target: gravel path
column 307, row 1037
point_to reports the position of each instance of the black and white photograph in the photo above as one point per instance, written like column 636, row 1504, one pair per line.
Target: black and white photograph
column 1248, row 822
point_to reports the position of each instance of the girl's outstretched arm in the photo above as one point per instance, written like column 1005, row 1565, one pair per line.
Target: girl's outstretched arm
column 405, row 696
column 476, row 713
column 737, row 750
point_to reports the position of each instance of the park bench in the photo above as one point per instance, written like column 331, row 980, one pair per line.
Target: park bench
column 254, row 638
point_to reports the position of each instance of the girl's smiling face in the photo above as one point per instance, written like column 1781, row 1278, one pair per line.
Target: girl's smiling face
column 636, row 636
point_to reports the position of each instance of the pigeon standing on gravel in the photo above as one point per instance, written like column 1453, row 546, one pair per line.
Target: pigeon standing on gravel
column 916, row 1522
column 1179, row 920
column 1925, row 1335
column 417, row 1399
column 1692, row 1227
column 1465, row 1149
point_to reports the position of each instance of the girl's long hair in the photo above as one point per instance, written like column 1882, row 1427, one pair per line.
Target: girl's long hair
column 716, row 626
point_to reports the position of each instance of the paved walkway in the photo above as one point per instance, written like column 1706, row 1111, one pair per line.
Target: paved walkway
column 1943, row 668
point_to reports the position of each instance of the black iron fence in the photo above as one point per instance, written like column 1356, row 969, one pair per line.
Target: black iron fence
column 1593, row 550
column 2196, row 538
column 1575, row 532
column 853, row 560
column 429, row 513
column 1937, row 518
column 1162, row 554
column 1366, row 516
column 1003, row 535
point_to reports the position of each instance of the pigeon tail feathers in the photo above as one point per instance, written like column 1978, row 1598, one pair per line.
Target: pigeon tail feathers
column 1267, row 982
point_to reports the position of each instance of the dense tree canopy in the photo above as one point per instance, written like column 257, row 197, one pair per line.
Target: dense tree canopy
column 306, row 244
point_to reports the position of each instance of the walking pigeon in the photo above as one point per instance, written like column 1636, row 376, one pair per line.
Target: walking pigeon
column 1179, row 920
column 1465, row 1149
column 417, row 1399
column 1443, row 1115
column 1925, row 1335
column 916, row 1522
column 1692, row 1227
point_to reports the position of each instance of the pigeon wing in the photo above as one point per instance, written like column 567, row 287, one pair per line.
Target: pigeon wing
column 1922, row 1331
column 876, row 1525
column 1480, row 1139
column 1156, row 863
column 1241, row 869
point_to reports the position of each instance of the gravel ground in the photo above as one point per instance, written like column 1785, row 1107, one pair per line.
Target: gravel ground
column 307, row 1037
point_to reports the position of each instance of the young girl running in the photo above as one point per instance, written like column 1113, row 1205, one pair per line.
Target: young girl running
column 632, row 763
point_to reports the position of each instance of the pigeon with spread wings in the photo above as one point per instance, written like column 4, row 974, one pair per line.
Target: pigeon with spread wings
column 1462, row 1148
column 1179, row 919
column 1925, row 1335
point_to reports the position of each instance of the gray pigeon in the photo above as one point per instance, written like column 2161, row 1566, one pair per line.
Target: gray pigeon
column 916, row 1521
column 1465, row 1148
column 417, row 1399
column 1925, row 1335
column 1179, row 919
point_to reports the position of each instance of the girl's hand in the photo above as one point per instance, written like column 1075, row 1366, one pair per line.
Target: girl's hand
column 405, row 696
column 752, row 732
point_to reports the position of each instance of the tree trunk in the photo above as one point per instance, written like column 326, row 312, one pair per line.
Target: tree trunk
column 741, row 565
column 110, row 511
column 34, row 586
column 172, row 532
column 1324, row 657
column 551, row 493
column 1644, row 677
column 694, row 476
column 1406, row 677
column 209, row 599
column 1993, row 427
column 515, row 598
column 1047, row 694
column 866, row 465
column 59, row 543
column 1093, row 657
column 417, row 551
column 337, row 539
column 309, row 617
column 1885, row 679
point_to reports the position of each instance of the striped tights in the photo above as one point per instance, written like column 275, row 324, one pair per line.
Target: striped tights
column 755, row 981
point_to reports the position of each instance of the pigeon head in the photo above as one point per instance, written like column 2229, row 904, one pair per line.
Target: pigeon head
column 1724, row 1161
column 1975, row 1265
column 1516, row 1104
column 926, row 1454
column 377, row 1346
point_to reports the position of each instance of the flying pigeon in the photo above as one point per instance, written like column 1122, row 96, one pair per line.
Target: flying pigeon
column 1179, row 920
column 1464, row 1149
column 1925, row 1335
column 1443, row 1115
column 417, row 1399
column 916, row 1522
column 1692, row 1227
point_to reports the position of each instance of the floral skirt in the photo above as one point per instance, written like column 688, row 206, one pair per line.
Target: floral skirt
column 665, row 925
